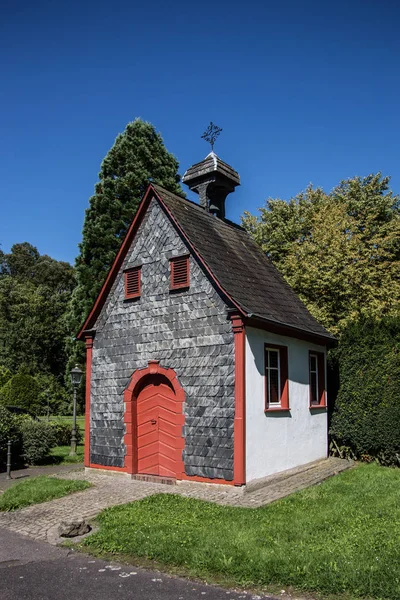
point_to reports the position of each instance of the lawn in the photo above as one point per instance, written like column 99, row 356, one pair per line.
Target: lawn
column 38, row 489
column 338, row 538
column 60, row 455
column 68, row 419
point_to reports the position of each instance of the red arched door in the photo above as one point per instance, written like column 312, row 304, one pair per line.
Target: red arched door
column 158, row 428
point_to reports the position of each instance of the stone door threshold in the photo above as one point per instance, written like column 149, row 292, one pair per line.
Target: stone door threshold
column 154, row 479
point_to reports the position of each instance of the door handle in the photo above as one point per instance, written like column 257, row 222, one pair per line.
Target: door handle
column 153, row 421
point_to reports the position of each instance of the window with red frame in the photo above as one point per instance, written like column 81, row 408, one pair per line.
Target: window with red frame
column 276, row 378
column 132, row 283
column 317, row 379
column 180, row 272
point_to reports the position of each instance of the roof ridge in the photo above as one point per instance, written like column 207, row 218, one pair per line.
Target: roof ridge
column 226, row 221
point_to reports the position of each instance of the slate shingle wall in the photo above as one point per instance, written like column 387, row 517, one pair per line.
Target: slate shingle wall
column 187, row 331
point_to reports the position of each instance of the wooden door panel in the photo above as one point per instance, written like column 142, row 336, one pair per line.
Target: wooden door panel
column 167, row 463
column 169, row 428
column 148, row 426
column 155, row 402
column 158, row 434
column 149, row 464
column 165, row 472
column 166, row 439
column 151, row 389
column 149, row 439
column 167, row 413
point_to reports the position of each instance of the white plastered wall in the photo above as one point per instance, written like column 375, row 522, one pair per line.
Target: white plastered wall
column 278, row 441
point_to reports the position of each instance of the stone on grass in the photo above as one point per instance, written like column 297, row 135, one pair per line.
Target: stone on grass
column 71, row 529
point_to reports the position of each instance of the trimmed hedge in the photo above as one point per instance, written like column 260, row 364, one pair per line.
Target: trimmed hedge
column 21, row 391
column 38, row 438
column 366, row 417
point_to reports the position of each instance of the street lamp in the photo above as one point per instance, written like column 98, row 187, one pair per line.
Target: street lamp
column 76, row 376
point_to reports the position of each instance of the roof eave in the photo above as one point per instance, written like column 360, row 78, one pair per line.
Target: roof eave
column 261, row 322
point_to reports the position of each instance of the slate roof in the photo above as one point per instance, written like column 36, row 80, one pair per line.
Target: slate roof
column 241, row 267
column 211, row 164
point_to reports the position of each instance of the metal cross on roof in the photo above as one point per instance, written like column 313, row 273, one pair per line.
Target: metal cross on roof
column 211, row 134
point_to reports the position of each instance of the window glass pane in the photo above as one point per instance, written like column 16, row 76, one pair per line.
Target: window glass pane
column 313, row 363
column 274, row 386
column 273, row 358
column 313, row 388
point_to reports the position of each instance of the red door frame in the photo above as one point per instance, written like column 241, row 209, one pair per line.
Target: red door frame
column 130, row 417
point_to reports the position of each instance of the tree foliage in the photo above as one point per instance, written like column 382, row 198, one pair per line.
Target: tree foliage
column 339, row 251
column 34, row 294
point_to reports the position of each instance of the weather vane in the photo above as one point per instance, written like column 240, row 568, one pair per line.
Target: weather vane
column 211, row 134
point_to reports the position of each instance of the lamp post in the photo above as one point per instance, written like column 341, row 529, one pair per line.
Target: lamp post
column 76, row 376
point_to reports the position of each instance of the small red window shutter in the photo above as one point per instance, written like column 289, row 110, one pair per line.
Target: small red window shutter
column 132, row 283
column 179, row 272
column 284, row 377
column 321, row 379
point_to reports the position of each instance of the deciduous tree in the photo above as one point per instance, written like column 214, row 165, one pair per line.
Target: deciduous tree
column 339, row 251
column 34, row 294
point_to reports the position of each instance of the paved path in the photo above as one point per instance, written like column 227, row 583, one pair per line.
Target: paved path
column 108, row 490
column 22, row 474
column 32, row 570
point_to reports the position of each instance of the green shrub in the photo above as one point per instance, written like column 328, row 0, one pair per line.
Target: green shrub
column 21, row 391
column 366, row 416
column 62, row 433
column 38, row 438
column 8, row 431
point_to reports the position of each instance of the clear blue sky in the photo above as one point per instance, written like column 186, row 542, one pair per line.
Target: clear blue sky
column 306, row 91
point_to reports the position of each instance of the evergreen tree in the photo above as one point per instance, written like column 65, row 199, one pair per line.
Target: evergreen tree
column 137, row 158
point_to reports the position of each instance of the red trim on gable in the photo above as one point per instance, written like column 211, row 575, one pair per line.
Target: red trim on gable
column 113, row 272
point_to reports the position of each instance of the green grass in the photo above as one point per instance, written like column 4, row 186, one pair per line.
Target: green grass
column 339, row 538
column 38, row 489
column 60, row 455
column 68, row 419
